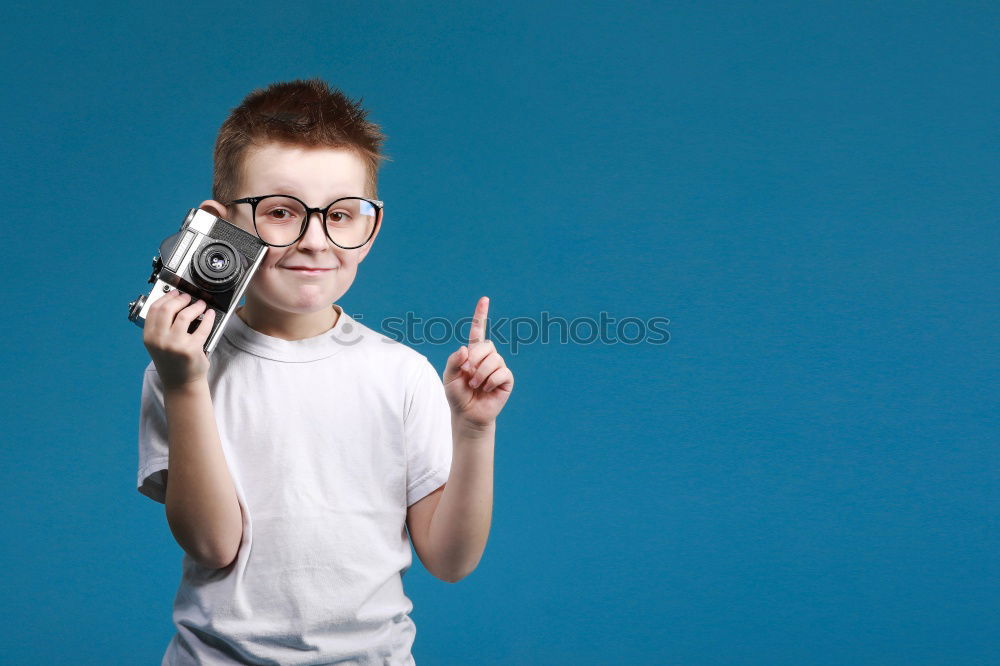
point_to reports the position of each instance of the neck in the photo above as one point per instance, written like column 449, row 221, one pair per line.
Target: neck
column 285, row 326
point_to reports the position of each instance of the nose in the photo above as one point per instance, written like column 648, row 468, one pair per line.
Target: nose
column 315, row 236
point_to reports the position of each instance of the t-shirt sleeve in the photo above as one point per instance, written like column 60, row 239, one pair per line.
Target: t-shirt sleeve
column 152, row 438
column 427, row 429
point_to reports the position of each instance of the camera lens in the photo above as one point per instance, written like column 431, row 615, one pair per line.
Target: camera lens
column 216, row 266
column 218, row 262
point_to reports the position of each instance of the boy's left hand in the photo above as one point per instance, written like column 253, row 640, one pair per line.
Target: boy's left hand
column 476, row 379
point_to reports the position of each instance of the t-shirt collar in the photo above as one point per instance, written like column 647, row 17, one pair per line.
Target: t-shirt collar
column 343, row 334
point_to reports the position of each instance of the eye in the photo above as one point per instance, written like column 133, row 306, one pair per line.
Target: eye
column 279, row 214
column 339, row 217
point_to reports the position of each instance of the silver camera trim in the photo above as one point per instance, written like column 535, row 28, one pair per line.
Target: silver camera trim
column 197, row 222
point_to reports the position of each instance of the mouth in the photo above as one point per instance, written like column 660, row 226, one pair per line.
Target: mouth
column 304, row 270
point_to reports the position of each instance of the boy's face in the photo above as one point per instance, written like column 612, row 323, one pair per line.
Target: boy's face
column 317, row 176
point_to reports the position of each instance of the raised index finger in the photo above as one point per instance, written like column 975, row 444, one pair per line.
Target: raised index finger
column 477, row 332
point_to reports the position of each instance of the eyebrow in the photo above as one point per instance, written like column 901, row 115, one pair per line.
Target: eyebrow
column 285, row 189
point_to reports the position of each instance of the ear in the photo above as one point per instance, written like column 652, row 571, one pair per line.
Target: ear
column 215, row 208
column 363, row 251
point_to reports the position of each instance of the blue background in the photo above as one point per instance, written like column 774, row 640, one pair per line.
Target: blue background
column 806, row 473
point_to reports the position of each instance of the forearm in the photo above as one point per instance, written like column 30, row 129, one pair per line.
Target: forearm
column 460, row 525
column 202, row 509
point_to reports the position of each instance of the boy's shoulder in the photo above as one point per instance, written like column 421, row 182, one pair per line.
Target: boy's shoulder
column 375, row 344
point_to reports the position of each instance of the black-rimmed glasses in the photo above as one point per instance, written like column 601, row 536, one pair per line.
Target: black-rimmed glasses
column 280, row 220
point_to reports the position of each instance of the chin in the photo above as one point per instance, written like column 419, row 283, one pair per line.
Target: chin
column 310, row 305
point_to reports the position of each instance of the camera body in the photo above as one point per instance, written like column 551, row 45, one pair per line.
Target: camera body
column 208, row 258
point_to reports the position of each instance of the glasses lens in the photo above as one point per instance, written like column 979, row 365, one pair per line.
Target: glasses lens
column 279, row 219
column 350, row 221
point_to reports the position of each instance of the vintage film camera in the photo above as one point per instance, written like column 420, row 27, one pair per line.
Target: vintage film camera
column 209, row 259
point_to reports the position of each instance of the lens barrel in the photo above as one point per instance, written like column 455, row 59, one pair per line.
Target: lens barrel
column 217, row 266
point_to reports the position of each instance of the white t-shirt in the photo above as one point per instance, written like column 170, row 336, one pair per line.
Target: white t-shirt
column 328, row 440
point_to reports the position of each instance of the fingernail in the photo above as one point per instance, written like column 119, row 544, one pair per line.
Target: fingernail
column 465, row 367
column 475, row 383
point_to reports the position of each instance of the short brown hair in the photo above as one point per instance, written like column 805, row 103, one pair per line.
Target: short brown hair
column 300, row 112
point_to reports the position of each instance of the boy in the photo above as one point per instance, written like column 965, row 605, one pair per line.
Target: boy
column 289, row 464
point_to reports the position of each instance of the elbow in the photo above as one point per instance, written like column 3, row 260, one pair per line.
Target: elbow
column 456, row 569
column 207, row 550
column 222, row 557
column 455, row 576
column 221, row 562
column 219, row 557
column 210, row 559
column 444, row 575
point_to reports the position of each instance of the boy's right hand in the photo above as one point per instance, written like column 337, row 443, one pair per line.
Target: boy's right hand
column 179, row 356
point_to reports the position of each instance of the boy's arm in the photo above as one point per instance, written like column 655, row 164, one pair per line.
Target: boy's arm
column 201, row 504
column 449, row 528
column 418, row 523
column 450, row 531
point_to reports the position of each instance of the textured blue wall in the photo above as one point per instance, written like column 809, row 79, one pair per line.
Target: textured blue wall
column 803, row 474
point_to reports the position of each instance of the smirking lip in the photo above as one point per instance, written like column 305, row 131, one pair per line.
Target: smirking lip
column 304, row 271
